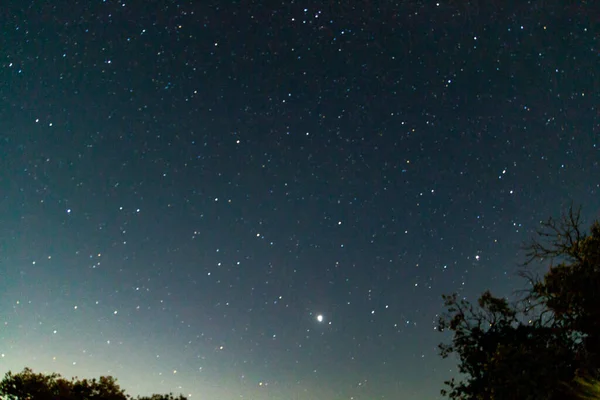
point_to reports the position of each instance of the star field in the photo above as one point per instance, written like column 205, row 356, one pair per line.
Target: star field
column 266, row 200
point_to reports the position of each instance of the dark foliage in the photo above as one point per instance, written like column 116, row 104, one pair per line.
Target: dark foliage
column 536, row 348
column 27, row 385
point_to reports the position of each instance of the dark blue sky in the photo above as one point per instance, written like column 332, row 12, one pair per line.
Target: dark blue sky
column 266, row 200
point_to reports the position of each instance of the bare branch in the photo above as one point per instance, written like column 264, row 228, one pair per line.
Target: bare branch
column 557, row 239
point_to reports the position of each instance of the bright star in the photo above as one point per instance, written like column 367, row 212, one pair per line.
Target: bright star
column 320, row 318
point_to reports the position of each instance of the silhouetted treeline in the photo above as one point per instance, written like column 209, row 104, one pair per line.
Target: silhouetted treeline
column 545, row 345
column 28, row 385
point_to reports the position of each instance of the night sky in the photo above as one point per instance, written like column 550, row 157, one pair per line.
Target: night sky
column 266, row 200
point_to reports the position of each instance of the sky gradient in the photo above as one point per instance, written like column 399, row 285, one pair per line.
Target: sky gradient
column 266, row 200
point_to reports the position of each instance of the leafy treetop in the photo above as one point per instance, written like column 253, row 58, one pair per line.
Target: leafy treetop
column 28, row 385
column 544, row 344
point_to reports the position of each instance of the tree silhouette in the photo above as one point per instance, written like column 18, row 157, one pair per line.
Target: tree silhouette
column 545, row 344
column 28, row 385
column 37, row 386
